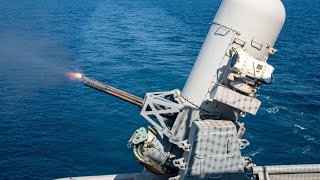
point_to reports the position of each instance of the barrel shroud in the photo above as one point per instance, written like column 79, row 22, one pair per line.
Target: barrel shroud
column 113, row 91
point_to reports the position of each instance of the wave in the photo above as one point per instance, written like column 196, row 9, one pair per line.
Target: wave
column 275, row 109
column 263, row 96
column 300, row 127
column 309, row 138
column 253, row 153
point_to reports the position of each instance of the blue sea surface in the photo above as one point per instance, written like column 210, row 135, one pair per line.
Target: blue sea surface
column 52, row 127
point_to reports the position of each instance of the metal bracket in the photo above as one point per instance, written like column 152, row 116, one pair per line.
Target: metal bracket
column 257, row 45
column 184, row 145
column 180, row 163
column 138, row 136
column 239, row 41
column 241, row 130
column 272, row 51
column 157, row 104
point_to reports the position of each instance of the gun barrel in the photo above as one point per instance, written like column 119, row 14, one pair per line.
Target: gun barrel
column 113, row 91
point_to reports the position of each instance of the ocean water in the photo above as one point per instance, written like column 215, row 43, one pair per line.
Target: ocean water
column 52, row 127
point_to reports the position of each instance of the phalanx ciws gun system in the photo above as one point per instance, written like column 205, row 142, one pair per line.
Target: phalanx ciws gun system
column 195, row 133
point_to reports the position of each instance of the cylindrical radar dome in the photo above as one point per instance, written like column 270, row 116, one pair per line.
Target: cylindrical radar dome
column 261, row 19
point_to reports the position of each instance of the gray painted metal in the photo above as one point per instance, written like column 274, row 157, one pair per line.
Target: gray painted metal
column 235, row 99
column 215, row 150
column 139, row 136
column 133, row 176
column 210, row 63
column 259, row 20
column 284, row 172
column 287, row 169
column 303, row 176
column 156, row 105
